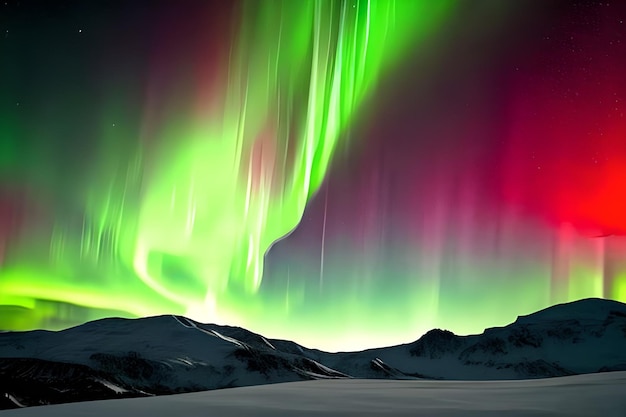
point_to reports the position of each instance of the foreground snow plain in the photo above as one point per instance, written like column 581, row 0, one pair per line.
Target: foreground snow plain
column 602, row 394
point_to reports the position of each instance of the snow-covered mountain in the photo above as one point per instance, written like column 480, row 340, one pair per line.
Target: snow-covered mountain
column 113, row 358
column 575, row 338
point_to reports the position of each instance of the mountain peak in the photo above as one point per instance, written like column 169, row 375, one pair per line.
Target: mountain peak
column 596, row 309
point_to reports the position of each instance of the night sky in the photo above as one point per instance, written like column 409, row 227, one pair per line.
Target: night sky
column 345, row 174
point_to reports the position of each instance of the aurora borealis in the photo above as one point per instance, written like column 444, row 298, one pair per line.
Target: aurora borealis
column 345, row 174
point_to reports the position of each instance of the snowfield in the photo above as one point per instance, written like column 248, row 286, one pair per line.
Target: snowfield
column 601, row 394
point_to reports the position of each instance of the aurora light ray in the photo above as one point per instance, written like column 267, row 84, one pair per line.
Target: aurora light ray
column 193, row 214
column 463, row 221
column 566, row 159
column 341, row 174
column 223, row 227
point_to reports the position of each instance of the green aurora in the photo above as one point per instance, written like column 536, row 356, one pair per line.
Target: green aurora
column 341, row 173
column 182, row 225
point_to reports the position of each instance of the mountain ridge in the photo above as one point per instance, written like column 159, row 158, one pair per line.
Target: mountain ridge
column 116, row 357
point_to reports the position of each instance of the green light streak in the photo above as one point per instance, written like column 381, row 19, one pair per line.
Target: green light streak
column 241, row 179
column 193, row 214
column 619, row 287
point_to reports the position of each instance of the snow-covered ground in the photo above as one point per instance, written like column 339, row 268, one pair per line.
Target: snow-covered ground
column 602, row 394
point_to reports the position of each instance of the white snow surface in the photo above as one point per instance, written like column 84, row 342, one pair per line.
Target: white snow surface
column 600, row 394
